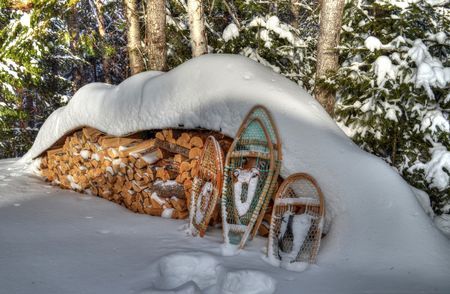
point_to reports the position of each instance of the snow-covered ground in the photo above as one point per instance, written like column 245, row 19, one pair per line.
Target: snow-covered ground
column 59, row 241
column 379, row 239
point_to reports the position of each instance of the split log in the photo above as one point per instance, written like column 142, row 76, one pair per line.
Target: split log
column 194, row 153
column 196, row 141
column 142, row 147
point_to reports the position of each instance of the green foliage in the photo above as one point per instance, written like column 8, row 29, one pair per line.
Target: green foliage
column 27, row 44
column 265, row 34
column 385, row 103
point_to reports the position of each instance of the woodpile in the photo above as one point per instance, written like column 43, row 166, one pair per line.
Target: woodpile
column 149, row 173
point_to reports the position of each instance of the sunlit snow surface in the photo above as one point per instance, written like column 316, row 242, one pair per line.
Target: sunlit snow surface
column 380, row 238
column 58, row 241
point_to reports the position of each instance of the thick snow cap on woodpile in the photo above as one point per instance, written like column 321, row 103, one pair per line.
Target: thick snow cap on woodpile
column 375, row 218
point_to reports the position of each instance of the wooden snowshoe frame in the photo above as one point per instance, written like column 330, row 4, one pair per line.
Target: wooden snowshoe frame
column 211, row 174
column 264, row 115
column 298, row 194
column 252, row 149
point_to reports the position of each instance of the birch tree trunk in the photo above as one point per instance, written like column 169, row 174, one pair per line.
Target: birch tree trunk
column 74, row 32
column 156, row 35
column 327, row 56
column 199, row 42
column 136, row 62
column 106, row 62
column 295, row 10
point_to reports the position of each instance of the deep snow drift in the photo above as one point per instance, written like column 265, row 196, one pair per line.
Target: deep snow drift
column 376, row 222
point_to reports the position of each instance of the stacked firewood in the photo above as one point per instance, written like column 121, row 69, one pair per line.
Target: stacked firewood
column 152, row 176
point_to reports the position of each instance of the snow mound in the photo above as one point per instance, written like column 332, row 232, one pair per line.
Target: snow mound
column 248, row 281
column 200, row 272
column 178, row 269
column 376, row 220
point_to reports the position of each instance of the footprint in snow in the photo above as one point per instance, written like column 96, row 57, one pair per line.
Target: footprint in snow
column 196, row 272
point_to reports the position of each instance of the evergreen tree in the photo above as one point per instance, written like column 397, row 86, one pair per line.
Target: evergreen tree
column 393, row 89
column 30, row 86
column 261, row 30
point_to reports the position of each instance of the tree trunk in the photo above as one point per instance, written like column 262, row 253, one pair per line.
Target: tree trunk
column 133, row 37
column 74, row 45
column 156, row 35
column 327, row 55
column 106, row 62
column 295, row 10
column 199, row 42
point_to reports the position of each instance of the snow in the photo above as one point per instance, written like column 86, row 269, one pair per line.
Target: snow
column 435, row 169
column 203, row 197
column 85, row 154
column 273, row 24
column 434, row 120
column 250, row 179
column 383, row 69
column 247, row 281
column 95, row 156
column 373, row 43
column 150, row 158
column 56, row 240
column 430, row 71
column 300, row 227
column 167, row 213
column 155, row 197
column 378, row 234
column 25, row 20
column 230, row 32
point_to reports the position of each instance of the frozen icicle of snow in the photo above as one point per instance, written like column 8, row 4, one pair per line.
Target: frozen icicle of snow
column 230, row 32
column 373, row 43
column 383, row 67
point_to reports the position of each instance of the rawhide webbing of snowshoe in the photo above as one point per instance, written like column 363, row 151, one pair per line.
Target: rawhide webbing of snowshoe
column 263, row 114
column 297, row 221
column 249, row 170
column 207, row 186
